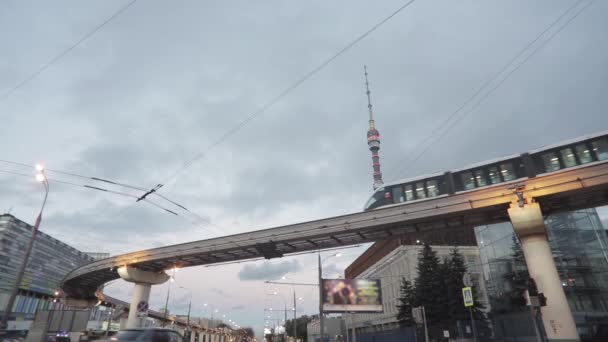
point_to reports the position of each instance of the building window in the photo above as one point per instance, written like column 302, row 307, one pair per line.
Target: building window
column 568, row 157
column 468, row 182
column 494, row 175
column 583, row 154
column 420, row 190
column 432, row 188
column 551, row 162
column 600, row 147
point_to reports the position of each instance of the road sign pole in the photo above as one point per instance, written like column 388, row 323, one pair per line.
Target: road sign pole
column 426, row 330
column 473, row 324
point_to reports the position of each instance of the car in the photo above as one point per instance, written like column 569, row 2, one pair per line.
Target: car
column 148, row 334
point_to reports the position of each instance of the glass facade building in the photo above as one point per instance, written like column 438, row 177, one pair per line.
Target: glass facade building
column 49, row 262
column 579, row 242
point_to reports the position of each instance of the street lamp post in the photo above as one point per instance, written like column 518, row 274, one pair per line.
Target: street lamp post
column 322, row 332
column 189, row 305
column 275, row 293
column 172, row 279
column 42, row 178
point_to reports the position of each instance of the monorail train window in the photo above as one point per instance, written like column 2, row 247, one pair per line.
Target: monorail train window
column 397, row 194
column 432, row 188
column 494, row 175
column 468, row 182
column 550, row 161
column 480, row 178
column 600, row 147
column 420, row 190
column 568, row 157
column 409, row 192
column 507, row 172
column 583, row 153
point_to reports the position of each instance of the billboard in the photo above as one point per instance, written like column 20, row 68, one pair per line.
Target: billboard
column 352, row 295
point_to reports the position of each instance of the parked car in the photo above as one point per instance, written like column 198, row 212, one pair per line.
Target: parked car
column 148, row 335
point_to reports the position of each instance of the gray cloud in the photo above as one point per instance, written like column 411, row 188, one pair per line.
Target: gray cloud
column 161, row 83
column 238, row 307
column 269, row 270
column 219, row 292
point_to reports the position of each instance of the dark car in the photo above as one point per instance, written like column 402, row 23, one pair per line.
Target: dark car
column 148, row 334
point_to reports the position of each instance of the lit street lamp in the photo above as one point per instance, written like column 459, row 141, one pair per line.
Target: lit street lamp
column 42, row 178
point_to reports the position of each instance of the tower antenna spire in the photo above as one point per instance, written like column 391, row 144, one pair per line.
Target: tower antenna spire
column 373, row 137
column 369, row 99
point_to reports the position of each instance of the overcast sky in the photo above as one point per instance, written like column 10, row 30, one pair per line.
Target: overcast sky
column 161, row 82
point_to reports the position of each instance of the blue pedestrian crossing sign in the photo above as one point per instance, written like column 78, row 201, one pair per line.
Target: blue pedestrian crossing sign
column 467, row 296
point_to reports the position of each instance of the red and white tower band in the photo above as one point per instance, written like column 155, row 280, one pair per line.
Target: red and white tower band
column 373, row 138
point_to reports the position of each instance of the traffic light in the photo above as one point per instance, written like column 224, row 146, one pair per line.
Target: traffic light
column 542, row 300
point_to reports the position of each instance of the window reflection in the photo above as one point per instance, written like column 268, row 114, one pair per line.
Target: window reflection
column 507, row 172
column 420, row 190
column 600, row 147
column 568, row 157
column 480, row 178
column 550, row 161
column 494, row 175
column 583, row 154
column 409, row 192
column 432, row 188
column 468, row 182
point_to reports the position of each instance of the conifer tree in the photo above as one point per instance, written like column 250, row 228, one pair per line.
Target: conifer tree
column 406, row 299
column 430, row 290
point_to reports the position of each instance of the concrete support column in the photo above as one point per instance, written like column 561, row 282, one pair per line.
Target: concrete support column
column 141, row 293
column 529, row 226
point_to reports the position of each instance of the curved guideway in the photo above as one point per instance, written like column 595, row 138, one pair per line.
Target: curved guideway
column 568, row 189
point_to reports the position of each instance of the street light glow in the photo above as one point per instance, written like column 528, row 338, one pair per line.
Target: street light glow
column 338, row 255
column 39, row 167
column 40, row 177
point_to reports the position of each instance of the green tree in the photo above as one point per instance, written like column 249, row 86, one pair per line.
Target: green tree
column 301, row 323
column 404, row 308
column 430, row 290
column 456, row 269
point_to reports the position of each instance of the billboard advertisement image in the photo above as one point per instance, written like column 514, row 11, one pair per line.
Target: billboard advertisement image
column 352, row 295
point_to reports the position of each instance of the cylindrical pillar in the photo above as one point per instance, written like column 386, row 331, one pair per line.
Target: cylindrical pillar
column 143, row 283
column 141, row 293
column 529, row 225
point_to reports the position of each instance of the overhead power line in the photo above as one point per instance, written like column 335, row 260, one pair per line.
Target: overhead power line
column 61, row 55
column 424, row 144
column 285, row 92
column 136, row 197
column 427, row 142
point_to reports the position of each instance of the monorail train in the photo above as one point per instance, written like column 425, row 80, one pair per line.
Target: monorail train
column 572, row 153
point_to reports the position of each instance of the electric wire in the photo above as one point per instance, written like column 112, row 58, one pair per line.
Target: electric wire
column 491, row 91
column 138, row 188
column 284, row 93
column 489, row 81
column 426, row 144
column 206, row 221
column 65, row 52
